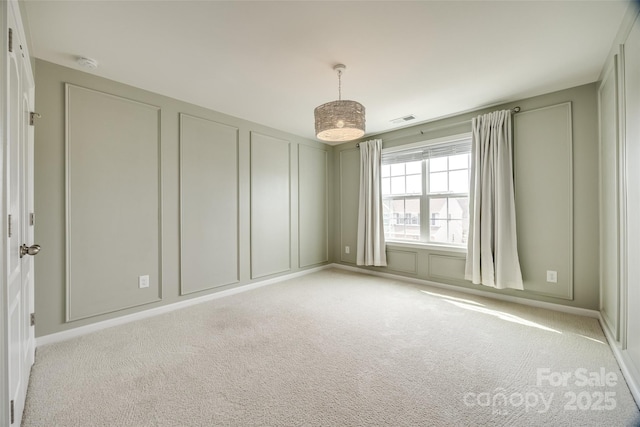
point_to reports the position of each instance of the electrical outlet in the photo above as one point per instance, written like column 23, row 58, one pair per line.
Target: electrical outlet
column 347, row 250
column 143, row 282
column 552, row 276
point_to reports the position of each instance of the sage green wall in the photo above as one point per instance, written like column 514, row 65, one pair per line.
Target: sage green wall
column 619, row 109
column 632, row 238
column 578, row 285
column 230, row 177
column 317, row 187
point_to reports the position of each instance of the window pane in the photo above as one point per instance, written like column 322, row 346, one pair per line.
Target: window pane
column 414, row 184
column 459, row 207
column 397, row 185
column 438, row 182
column 413, row 205
column 465, row 231
column 434, row 216
column 438, row 230
column 386, row 213
column 459, row 181
column 402, row 219
column 438, row 164
column 397, row 169
column 438, row 208
column 396, row 232
column 394, row 210
column 414, row 167
column 412, row 219
column 398, row 210
column 458, row 231
column 403, row 188
column 461, row 161
column 386, row 186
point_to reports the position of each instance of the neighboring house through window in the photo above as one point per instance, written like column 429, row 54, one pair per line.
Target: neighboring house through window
column 425, row 191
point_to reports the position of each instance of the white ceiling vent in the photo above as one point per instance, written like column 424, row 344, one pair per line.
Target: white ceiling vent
column 403, row 119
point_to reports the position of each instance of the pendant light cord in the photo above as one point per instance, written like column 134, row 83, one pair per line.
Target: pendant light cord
column 339, row 85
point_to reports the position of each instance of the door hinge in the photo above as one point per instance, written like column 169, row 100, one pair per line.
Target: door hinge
column 32, row 218
column 32, row 117
column 10, row 39
column 9, row 227
column 33, row 319
column 13, row 413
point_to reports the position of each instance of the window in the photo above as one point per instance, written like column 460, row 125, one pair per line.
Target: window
column 425, row 191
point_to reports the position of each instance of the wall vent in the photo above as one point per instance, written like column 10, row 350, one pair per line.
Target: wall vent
column 403, row 119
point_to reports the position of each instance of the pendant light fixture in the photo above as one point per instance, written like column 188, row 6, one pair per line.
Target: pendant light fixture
column 339, row 121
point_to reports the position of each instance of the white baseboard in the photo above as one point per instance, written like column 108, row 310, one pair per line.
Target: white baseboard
column 518, row 300
column 630, row 373
column 87, row 329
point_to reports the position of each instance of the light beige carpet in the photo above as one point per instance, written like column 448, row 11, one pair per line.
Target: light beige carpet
column 336, row 348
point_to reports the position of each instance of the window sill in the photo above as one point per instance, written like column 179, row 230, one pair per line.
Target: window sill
column 428, row 246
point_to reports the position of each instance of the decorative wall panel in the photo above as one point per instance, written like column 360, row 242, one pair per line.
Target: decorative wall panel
column 112, row 202
column 270, row 206
column 208, row 204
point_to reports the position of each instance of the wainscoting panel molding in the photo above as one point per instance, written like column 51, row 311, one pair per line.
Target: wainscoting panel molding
column 113, row 203
column 313, row 203
column 609, row 201
column 544, row 198
column 402, row 261
column 446, row 267
column 208, row 204
column 349, row 191
column 270, row 205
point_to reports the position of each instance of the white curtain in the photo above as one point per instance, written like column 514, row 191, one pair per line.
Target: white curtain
column 492, row 256
column 371, row 247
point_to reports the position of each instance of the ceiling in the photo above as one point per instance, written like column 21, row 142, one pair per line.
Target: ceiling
column 271, row 62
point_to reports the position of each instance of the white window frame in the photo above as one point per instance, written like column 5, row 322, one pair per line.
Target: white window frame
column 425, row 197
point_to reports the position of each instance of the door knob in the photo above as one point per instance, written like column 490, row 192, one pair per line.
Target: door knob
column 29, row 250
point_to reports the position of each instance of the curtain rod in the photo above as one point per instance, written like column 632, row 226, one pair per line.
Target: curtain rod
column 513, row 110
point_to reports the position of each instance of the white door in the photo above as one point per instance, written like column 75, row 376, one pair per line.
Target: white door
column 19, row 204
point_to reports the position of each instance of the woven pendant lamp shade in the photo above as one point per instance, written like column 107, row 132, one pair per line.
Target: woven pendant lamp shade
column 339, row 120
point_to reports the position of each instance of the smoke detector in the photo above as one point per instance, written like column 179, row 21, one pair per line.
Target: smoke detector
column 85, row 62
